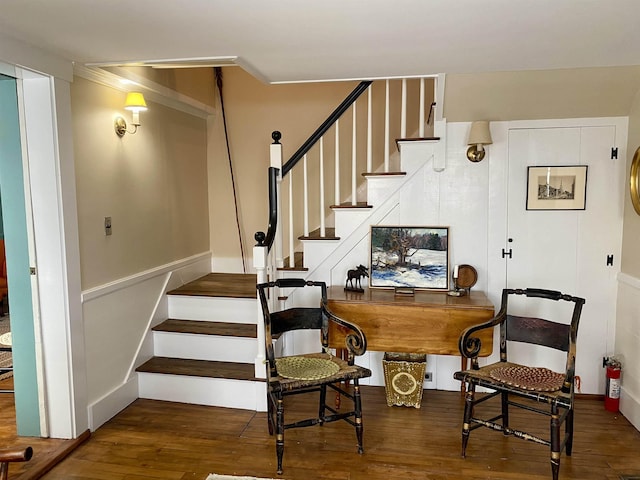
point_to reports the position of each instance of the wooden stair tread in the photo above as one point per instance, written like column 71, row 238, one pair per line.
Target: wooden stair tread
column 418, row 139
column 329, row 234
column 234, row 285
column 349, row 205
column 384, row 174
column 298, row 263
column 199, row 368
column 198, row 327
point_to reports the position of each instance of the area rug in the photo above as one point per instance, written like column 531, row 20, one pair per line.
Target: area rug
column 5, row 341
column 213, row 476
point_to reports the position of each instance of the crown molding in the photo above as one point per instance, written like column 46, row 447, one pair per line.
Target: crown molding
column 123, row 80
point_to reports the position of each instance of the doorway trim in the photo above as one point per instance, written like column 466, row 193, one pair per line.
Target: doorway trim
column 47, row 145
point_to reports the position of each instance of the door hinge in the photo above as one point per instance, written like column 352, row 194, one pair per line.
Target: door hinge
column 614, row 153
column 32, row 270
column 507, row 253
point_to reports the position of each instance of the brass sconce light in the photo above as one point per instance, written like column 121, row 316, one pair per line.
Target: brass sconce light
column 479, row 136
column 134, row 102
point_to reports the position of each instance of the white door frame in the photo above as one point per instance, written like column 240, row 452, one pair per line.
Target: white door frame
column 47, row 142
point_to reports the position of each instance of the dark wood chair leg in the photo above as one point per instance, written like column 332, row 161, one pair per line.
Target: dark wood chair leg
column 569, row 432
column 555, row 442
column 504, row 397
column 322, row 405
column 358, row 414
column 280, row 433
column 468, row 413
column 270, row 414
column 342, row 354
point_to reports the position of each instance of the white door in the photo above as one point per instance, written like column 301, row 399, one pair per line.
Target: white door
column 568, row 250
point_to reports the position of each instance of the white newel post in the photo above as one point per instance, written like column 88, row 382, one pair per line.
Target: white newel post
column 260, row 255
column 275, row 151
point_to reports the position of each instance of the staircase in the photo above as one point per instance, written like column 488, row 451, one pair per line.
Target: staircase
column 204, row 353
column 208, row 351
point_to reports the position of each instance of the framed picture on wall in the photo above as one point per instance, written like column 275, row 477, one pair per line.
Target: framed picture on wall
column 409, row 257
column 557, row 187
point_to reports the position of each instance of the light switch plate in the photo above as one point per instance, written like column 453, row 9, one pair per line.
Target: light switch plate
column 107, row 225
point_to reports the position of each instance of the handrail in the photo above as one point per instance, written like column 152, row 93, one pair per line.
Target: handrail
column 322, row 129
column 267, row 240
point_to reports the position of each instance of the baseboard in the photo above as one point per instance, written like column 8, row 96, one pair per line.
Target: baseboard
column 630, row 407
column 590, row 396
column 112, row 403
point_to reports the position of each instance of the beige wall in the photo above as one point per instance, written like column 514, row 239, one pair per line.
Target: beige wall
column 152, row 184
column 631, row 235
column 541, row 94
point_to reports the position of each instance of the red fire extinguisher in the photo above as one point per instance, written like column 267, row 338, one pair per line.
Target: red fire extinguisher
column 612, row 393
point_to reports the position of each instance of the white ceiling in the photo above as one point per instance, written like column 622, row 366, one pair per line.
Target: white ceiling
column 301, row 40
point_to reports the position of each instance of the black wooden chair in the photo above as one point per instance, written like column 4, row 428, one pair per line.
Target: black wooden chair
column 535, row 389
column 312, row 372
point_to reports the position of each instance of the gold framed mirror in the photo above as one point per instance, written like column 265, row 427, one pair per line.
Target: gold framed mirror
column 634, row 181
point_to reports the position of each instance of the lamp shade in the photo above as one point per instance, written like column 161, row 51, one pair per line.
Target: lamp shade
column 135, row 102
column 480, row 133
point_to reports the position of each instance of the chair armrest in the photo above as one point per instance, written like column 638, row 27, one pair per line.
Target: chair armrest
column 470, row 345
column 16, row 454
column 355, row 340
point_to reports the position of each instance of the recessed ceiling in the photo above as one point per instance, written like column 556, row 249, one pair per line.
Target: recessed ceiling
column 308, row 40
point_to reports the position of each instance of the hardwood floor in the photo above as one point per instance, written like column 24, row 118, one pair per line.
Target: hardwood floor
column 160, row 440
column 45, row 451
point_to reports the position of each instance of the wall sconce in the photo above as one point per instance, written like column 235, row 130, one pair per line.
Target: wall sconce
column 134, row 102
column 479, row 136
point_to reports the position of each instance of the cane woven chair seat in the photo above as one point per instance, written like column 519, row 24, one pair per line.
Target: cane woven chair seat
column 306, row 368
column 536, row 379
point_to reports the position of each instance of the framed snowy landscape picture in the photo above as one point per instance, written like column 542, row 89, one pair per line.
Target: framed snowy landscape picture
column 409, row 257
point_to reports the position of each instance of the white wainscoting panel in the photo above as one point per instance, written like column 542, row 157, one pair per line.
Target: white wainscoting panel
column 117, row 320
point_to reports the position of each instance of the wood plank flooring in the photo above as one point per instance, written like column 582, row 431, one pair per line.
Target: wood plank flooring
column 46, row 451
column 161, row 440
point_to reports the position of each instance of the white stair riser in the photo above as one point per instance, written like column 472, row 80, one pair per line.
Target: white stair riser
column 242, row 394
column 379, row 189
column 317, row 249
column 413, row 155
column 204, row 347
column 213, row 309
column 347, row 220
